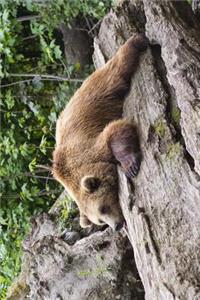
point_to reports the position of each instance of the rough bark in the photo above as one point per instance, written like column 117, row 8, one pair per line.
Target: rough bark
column 89, row 269
column 161, row 205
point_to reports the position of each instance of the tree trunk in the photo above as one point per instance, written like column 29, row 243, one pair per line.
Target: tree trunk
column 161, row 205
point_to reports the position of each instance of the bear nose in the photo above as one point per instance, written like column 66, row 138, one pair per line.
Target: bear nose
column 119, row 226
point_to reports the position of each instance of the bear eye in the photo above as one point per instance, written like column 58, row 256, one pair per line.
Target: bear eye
column 101, row 222
column 104, row 209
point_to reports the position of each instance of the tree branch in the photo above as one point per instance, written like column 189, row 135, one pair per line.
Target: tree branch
column 28, row 18
column 45, row 77
column 48, row 168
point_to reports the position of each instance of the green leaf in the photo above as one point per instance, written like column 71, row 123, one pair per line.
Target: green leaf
column 57, row 52
column 9, row 100
column 52, row 117
column 32, row 165
column 2, row 222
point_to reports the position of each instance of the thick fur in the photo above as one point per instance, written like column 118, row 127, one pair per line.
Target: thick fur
column 91, row 139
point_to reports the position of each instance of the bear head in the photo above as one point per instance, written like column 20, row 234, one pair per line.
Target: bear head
column 94, row 187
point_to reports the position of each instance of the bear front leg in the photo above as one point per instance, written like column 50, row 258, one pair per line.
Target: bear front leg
column 84, row 221
column 127, row 57
column 123, row 65
column 122, row 138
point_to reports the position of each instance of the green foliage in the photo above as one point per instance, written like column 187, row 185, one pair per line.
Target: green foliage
column 68, row 210
column 14, row 225
column 8, row 40
column 29, row 108
column 64, row 11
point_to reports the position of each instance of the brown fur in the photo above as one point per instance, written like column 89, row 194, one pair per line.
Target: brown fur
column 91, row 139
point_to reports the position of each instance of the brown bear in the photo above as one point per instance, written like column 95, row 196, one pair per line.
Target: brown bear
column 91, row 139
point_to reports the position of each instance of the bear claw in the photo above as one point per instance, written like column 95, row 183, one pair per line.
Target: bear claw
column 133, row 170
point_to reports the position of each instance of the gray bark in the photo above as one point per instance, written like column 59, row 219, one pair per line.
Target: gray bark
column 161, row 205
column 89, row 269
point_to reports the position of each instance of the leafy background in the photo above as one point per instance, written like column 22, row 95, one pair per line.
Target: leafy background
column 33, row 92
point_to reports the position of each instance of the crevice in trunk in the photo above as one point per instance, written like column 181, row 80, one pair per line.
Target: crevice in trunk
column 136, row 290
column 185, row 13
column 171, row 97
column 172, row 110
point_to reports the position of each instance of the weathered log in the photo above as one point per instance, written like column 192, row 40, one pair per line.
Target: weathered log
column 97, row 267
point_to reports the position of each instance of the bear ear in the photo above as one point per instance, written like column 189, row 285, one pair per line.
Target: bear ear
column 90, row 183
